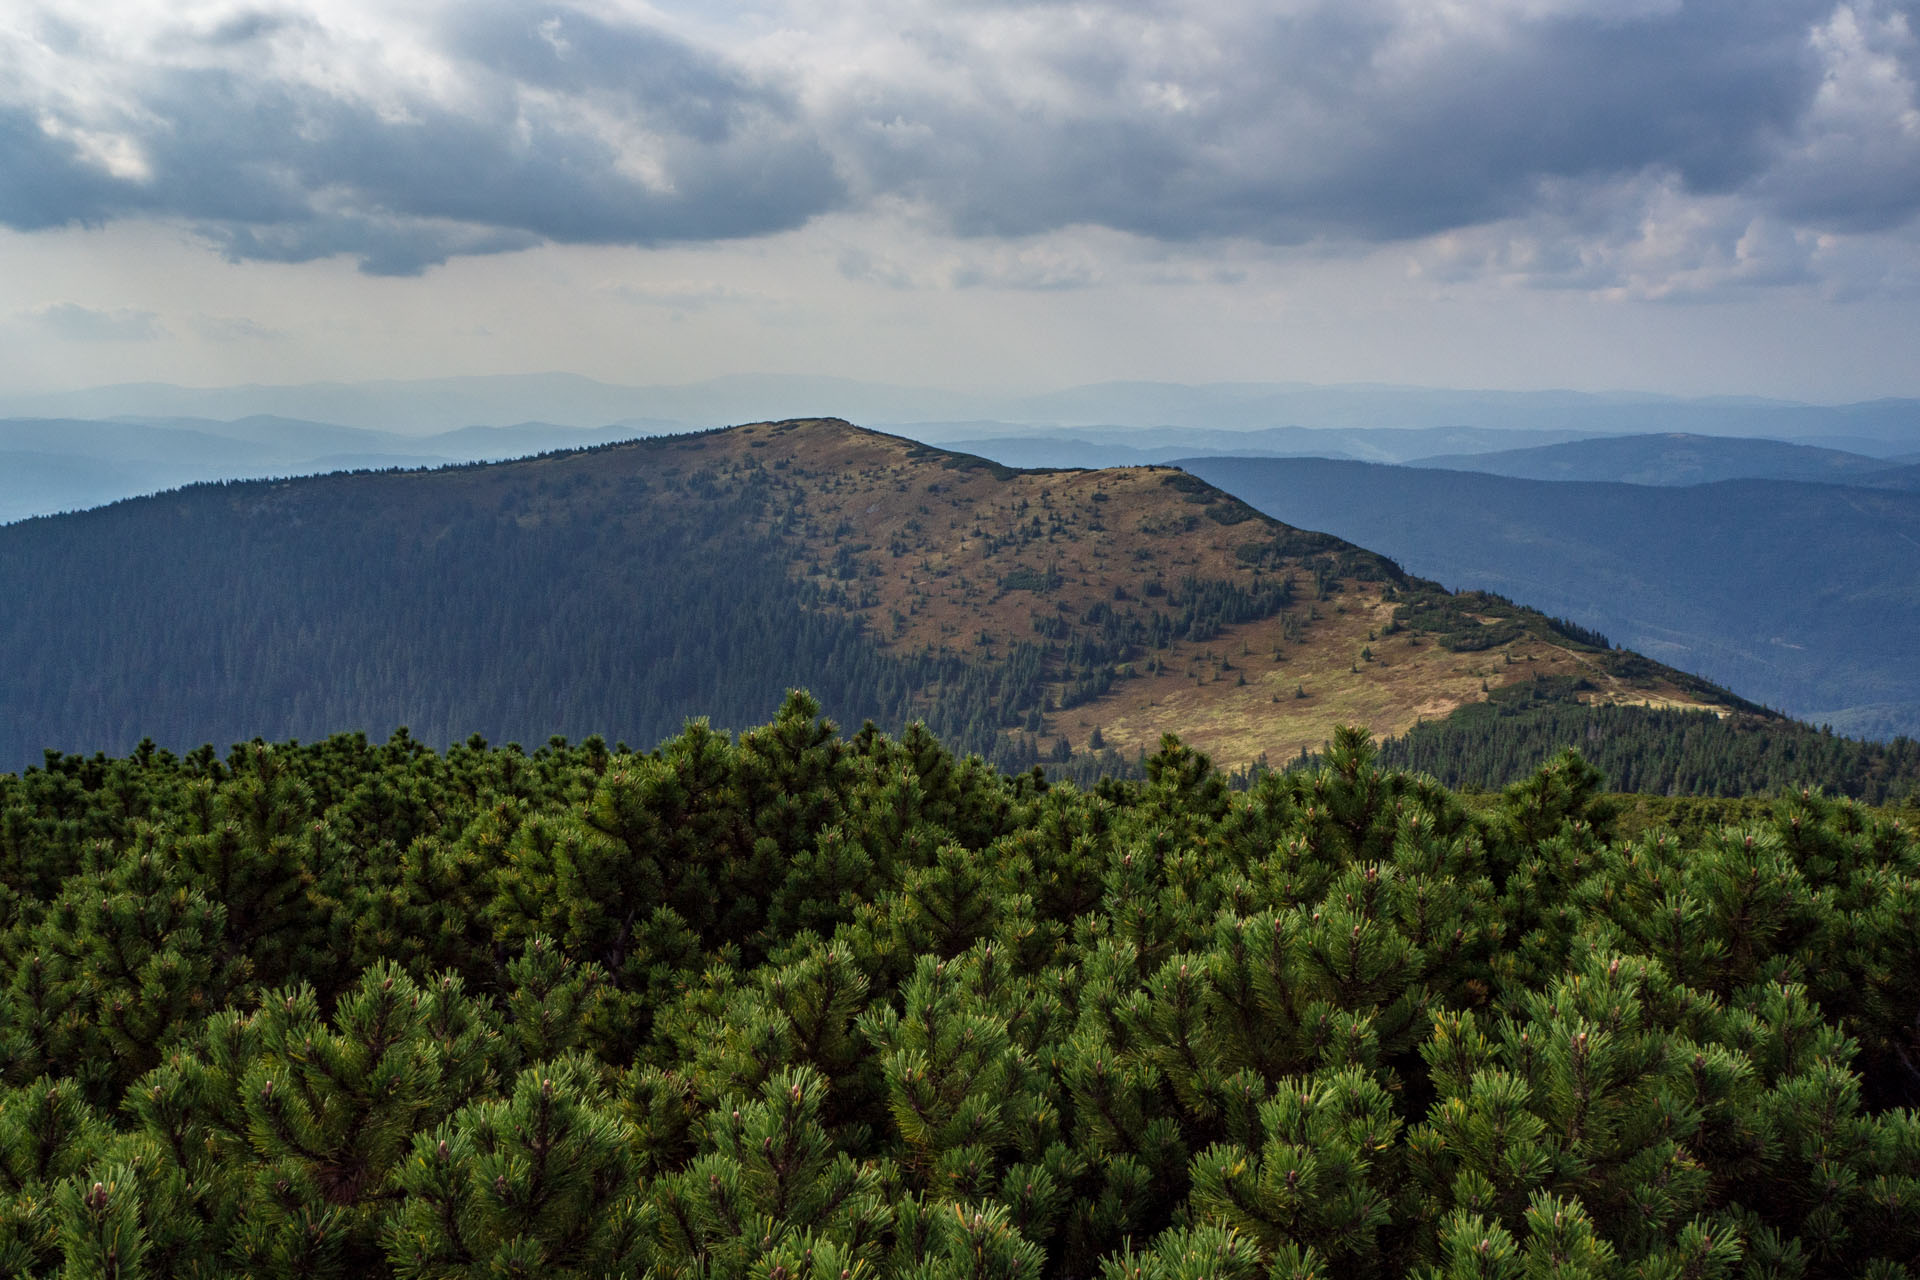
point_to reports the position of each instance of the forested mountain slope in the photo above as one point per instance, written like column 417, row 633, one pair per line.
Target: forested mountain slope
column 1030, row 615
column 1801, row 596
column 1671, row 459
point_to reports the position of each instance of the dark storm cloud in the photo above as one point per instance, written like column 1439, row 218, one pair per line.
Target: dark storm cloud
column 1342, row 120
column 695, row 93
column 286, row 171
column 1310, row 124
column 44, row 183
column 250, row 25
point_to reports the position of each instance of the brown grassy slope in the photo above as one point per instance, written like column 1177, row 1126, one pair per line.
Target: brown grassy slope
column 939, row 551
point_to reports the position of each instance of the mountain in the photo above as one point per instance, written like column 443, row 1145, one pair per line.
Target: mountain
column 619, row 589
column 1904, row 477
column 1137, row 446
column 1671, row 459
column 52, row 465
column 1801, row 596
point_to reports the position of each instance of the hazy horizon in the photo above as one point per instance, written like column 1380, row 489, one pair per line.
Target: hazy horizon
column 9, row 396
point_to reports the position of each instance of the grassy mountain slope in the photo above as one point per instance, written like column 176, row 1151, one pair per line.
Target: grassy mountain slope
column 619, row 589
column 1801, row 596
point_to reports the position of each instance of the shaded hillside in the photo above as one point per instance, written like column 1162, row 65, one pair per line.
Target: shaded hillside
column 1905, row 477
column 1031, row 615
column 1676, row 459
column 1801, row 596
column 1654, row 751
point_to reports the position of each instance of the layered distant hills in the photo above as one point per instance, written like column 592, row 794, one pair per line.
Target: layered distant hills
column 1672, row 459
column 1803, row 596
column 67, row 450
column 442, row 404
column 58, row 464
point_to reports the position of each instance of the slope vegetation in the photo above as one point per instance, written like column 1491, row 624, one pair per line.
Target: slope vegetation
column 1672, row 459
column 800, row 1006
column 1056, row 616
column 1802, row 596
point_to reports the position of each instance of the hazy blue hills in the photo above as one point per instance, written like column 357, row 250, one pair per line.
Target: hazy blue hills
column 1907, row 477
column 1667, row 459
column 1803, row 596
column 101, row 444
column 1116, row 446
column 1676, row 458
column 441, row 404
column 50, row 465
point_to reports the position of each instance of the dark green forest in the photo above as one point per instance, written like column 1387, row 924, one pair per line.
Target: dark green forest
column 796, row 1004
column 292, row 609
column 614, row 590
column 1656, row 752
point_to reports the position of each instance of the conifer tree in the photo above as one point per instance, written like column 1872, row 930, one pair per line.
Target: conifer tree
column 538, row 1184
column 794, row 1006
column 770, row 1177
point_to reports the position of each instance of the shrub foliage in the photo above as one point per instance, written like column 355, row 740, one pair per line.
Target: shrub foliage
column 792, row 1005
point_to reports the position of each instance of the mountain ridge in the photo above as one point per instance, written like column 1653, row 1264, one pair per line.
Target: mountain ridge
column 569, row 593
column 574, row 400
column 1796, row 593
column 1669, row 458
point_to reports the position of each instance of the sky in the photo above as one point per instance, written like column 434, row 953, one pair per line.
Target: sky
column 1699, row 198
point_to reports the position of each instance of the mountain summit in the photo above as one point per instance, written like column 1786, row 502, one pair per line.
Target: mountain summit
column 1032, row 615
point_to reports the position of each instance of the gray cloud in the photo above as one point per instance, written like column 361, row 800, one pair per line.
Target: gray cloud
column 44, row 183
column 565, row 130
column 1332, row 121
column 74, row 323
column 1536, row 122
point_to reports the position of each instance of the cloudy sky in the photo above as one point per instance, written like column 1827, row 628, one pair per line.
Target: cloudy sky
column 1701, row 197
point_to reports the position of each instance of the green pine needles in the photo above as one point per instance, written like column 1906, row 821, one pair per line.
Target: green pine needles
column 797, row 1006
